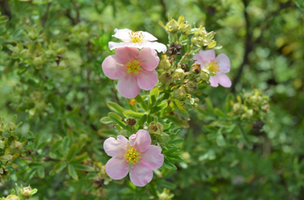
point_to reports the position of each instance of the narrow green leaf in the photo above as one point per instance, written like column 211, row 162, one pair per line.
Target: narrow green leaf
column 169, row 165
column 106, row 120
column 83, row 167
column 219, row 113
column 220, row 140
column 115, row 107
column 159, row 107
column 153, row 96
column 177, row 141
column 142, row 103
column 59, row 167
column 72, row 152
column 72, row 172
column 142, row 120
column 40, row 171
column 130, row 113
column 209, row 104
column 179, row 106
column 177, row 122
column 118, row 119
column 80, row 158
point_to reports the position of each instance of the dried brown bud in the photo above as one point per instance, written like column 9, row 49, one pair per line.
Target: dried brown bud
column 196, row 67
column 131, row 121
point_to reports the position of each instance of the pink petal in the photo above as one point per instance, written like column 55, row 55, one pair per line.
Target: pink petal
column 140, row 175
column 223, row 79
column 155, row 45
column 204, row 57
column 122, row 34
column 126, row 54
column 115, row 147
column 213, row 81
column 127, row 86
column 117, row 168
column 223, row 62
column 148, row 59
column 113, row 68
column 141, row 141
column 147, row 79
column 152, row 158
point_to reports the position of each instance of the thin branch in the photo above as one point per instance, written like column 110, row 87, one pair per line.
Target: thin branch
column 45, row 17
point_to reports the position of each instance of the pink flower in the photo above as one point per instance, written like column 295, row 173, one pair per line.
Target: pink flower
column 219, row 66
column 136, row 156
column 138, row 39
column 135, row 70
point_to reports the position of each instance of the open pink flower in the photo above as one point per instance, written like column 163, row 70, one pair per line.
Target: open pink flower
column 136, row 156
column 135, row 70
column 219, row 66
column 138, row 39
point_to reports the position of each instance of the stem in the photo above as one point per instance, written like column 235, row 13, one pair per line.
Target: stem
column 247, row 142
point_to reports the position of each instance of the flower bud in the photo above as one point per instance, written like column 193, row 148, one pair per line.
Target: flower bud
column 166, row 79
column 185, row 67
column 196, row 67
column 156, row 128
column 180, row 74
column 191, row 86
column 164, row 63
column 185, row 28
column 197, row 41
column 204, row 75
column 131, row 121
column 12, row 197
column 180, row 93
column 172, row 26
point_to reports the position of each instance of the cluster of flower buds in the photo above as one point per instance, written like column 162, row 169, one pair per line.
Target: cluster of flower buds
column 250, row 106
column 10, row 148
column 20, row 193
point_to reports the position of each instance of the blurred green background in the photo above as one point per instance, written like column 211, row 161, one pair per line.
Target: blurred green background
column 50, row 58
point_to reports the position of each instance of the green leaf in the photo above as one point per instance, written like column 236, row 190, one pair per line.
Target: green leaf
column 169, row 165
column 83, row 167
column 72, row 172
column 220, row 140
column 159, row 107
column 219, row 113
column 130, row 113
column 59, row 167
column 209, row 104
column 142, row 103
column 106, row 120
column 80, row 158
column 177, row 122
column 142, row 120
column 177, row 141
column 72, row 152
column 3, row 19
column 153, row 96
column 40, row 171
column 118, row 119
column 115, row 107
column 179, row 106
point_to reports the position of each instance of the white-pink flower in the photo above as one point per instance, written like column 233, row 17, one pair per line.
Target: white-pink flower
column 136, row 156
column 134, row 68
column 219, row 65
column 137, row 39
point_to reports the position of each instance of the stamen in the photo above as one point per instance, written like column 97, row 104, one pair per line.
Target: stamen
column 132, row 156
column 136, row 36
column 133, row 67
column 213, row 67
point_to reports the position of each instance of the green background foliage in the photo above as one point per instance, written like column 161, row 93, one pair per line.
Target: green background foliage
column 52, row 82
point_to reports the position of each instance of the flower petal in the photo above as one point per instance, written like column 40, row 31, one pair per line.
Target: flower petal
column 213, row 81
column 113, row 68
column 148, row 59
column 141, row 141
column 126, row 54
column 223, row 62
column 152, row 158
column 127, row 86
column 122, row 34
column 155, row 45
column 204, row 57
column 115, row 147
column 148, row 36
column 117, row 168
column 147, row 79
column 224, row 80
column 140, row 175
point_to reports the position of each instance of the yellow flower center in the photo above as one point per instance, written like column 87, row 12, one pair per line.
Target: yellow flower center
column 132, row 156
column 136, row 36
column 213, row 67
column 133, row 67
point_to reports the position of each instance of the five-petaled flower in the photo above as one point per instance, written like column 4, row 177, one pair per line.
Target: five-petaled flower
column 219, row 66
column 138, row 39
column 134, row 68
column 136, row 156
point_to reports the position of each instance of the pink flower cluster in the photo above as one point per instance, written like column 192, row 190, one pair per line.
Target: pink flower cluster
column 218, row 66
column 134, row 68
column 136, row 156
